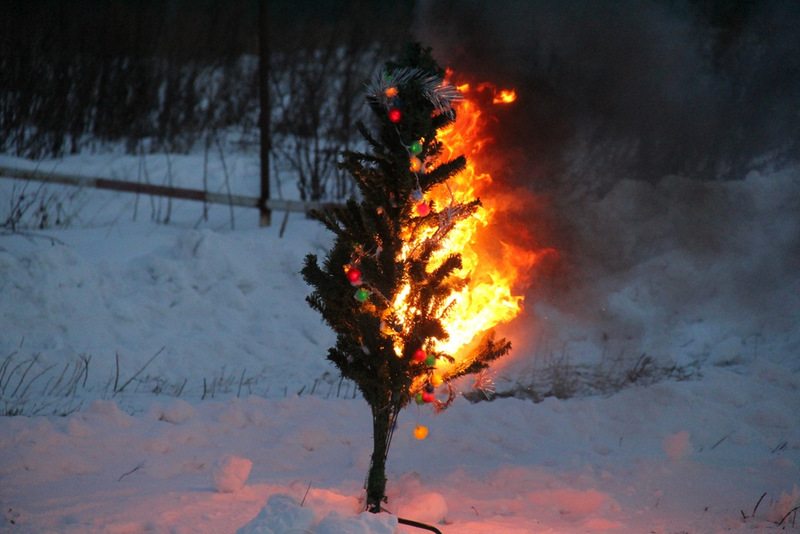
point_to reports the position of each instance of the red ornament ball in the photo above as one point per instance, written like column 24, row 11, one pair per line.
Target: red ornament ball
column 419, row 355
column 354, row 275
column 395, row 115
column 423, row 209
column 427, row 397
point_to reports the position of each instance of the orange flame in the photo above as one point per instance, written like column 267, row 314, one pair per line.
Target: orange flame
column 492, row 267
column 505, row 97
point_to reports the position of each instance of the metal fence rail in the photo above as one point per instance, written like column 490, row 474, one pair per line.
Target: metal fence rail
column 163, row 190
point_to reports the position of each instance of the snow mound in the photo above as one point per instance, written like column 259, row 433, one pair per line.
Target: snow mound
column 283, row 514
column 176, row 412
column 677, row 446
column 230, row 473
column 427, row 508
column 280, row 514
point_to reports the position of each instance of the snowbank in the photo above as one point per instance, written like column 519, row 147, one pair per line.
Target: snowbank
column 188, row 348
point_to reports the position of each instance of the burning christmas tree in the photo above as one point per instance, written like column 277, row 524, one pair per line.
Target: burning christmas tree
column 390, row 283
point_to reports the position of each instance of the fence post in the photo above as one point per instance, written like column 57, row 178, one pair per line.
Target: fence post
column 265, row 214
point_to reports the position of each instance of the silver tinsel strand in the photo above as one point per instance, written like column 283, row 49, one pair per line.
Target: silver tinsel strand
column 441, row 94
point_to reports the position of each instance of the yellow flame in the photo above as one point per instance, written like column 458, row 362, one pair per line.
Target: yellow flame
column 505, row 96
column 487, row 300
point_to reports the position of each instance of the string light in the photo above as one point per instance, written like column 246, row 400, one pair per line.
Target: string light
column 354, row 275
column 442, row 95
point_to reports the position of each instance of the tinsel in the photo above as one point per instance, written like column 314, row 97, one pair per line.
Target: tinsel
column 440, row 93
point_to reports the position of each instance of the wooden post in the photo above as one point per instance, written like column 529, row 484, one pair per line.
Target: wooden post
column 265, row 214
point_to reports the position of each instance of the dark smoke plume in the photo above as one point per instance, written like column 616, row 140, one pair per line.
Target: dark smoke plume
column 706, row 89
column 635, row 122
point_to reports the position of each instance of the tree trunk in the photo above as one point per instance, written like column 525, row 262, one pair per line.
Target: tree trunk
column 383, row 419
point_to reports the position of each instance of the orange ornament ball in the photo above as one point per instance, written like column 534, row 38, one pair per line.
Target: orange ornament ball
column 421, row 432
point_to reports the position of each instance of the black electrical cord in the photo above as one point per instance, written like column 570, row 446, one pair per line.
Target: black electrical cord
column 417, row 524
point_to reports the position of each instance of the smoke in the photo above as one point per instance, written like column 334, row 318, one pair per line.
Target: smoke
column 625, row 153
column 630, row 89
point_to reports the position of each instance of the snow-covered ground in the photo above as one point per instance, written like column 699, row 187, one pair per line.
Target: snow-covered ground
column 191, row 391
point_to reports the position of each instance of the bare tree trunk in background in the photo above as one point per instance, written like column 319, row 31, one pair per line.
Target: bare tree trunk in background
column 264, row 115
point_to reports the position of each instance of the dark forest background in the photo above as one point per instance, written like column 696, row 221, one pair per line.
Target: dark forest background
column 162, row 75
column 703, row 88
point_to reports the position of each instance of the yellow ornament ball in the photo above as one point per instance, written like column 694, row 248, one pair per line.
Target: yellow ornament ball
column 421, row 432
column 436, row 380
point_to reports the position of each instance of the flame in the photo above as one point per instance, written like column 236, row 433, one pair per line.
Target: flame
column 491, row 266
column 505, row 97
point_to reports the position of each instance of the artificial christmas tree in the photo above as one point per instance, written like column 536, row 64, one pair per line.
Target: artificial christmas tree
column 387, row 284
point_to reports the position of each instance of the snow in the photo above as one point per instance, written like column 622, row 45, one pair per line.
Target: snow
column 230, row 473
column 203, row 401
